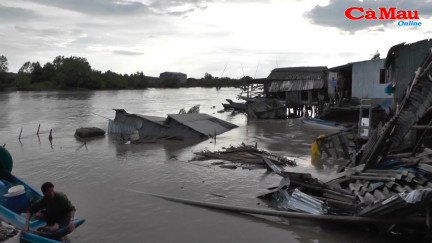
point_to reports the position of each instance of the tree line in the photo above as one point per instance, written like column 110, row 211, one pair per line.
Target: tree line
column 76, row 73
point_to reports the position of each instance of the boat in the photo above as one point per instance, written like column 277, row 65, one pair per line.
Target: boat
column 234, row 105
column 16, row 198
column 323, row 124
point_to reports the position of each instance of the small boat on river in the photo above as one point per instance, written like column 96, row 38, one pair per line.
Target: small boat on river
column 323, row 124
column 16, row 196
column 234, row 105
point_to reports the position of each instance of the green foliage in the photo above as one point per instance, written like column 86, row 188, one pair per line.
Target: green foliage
column 3, row 80
column 76, row 73
column 138, row 80
column 193, row 110
column 173, row 82
column 113, row 80
column 3, row 72
column 208, row 77
column 49, row 73
column 23, row 80
column 36, row 74
column 3, row 64
column 96, row 80
column 246, row 78
column 26, row 68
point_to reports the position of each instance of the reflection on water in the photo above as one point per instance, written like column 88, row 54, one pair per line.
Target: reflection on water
column 98, row 177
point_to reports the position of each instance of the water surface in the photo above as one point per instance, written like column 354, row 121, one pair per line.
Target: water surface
column 107, row 180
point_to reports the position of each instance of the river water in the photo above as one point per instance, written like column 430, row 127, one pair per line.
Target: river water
column 108, row 181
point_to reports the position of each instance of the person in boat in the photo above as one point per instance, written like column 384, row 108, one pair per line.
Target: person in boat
column 54, row 207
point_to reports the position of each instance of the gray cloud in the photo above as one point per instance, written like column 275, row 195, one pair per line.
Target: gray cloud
column 135, row 7
column 16, row 14
column 48, row 32
column 128, row 53
column 99, row 7
column 333, row 15
column 181, row 13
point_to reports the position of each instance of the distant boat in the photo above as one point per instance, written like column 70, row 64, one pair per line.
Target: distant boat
column 16, row 198
column 323, row 124
column 235, row 105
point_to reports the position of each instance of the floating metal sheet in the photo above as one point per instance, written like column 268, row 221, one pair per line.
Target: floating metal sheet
column 384, row 207
column 203, row 123
column 301, row 202
column 116, row 127
column 175, row 125
column 417, row 195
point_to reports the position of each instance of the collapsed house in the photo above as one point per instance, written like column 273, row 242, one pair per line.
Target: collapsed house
column 174, row 126
column 402, row 61
column 377, row 182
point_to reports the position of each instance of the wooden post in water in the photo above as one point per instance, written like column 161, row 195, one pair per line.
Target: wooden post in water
column 50, row 135
column 37, row 133
column 19, row 138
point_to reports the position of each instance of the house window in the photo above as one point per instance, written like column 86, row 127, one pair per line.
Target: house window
column 383, row 76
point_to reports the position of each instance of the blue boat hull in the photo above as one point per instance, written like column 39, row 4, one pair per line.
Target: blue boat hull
column 17, row 218
column 322, row 124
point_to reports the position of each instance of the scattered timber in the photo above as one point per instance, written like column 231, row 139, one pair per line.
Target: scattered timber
column 294, row 215
column 244, row 154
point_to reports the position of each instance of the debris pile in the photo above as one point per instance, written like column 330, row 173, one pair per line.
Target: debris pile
column 266, row 109
column 244, row 154
column 401, row 189
column 7, row 231
column 376, row 183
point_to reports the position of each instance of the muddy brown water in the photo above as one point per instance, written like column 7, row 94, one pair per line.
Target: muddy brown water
column 107, row 180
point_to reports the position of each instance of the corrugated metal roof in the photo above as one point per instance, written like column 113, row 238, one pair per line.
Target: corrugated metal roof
column 203, row 123
column 296, row 85
column 156, row 119
column 297, row 78
column 297, row 73
column 376, row 190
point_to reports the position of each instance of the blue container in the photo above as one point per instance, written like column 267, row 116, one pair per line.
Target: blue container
column 18, row 203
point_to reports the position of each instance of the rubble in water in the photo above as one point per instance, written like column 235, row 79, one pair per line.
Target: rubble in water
column 245, row 155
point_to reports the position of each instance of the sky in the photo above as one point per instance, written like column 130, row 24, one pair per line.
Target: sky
column 224, row 38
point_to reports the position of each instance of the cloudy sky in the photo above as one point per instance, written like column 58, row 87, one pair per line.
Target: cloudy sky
column 221, row 37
